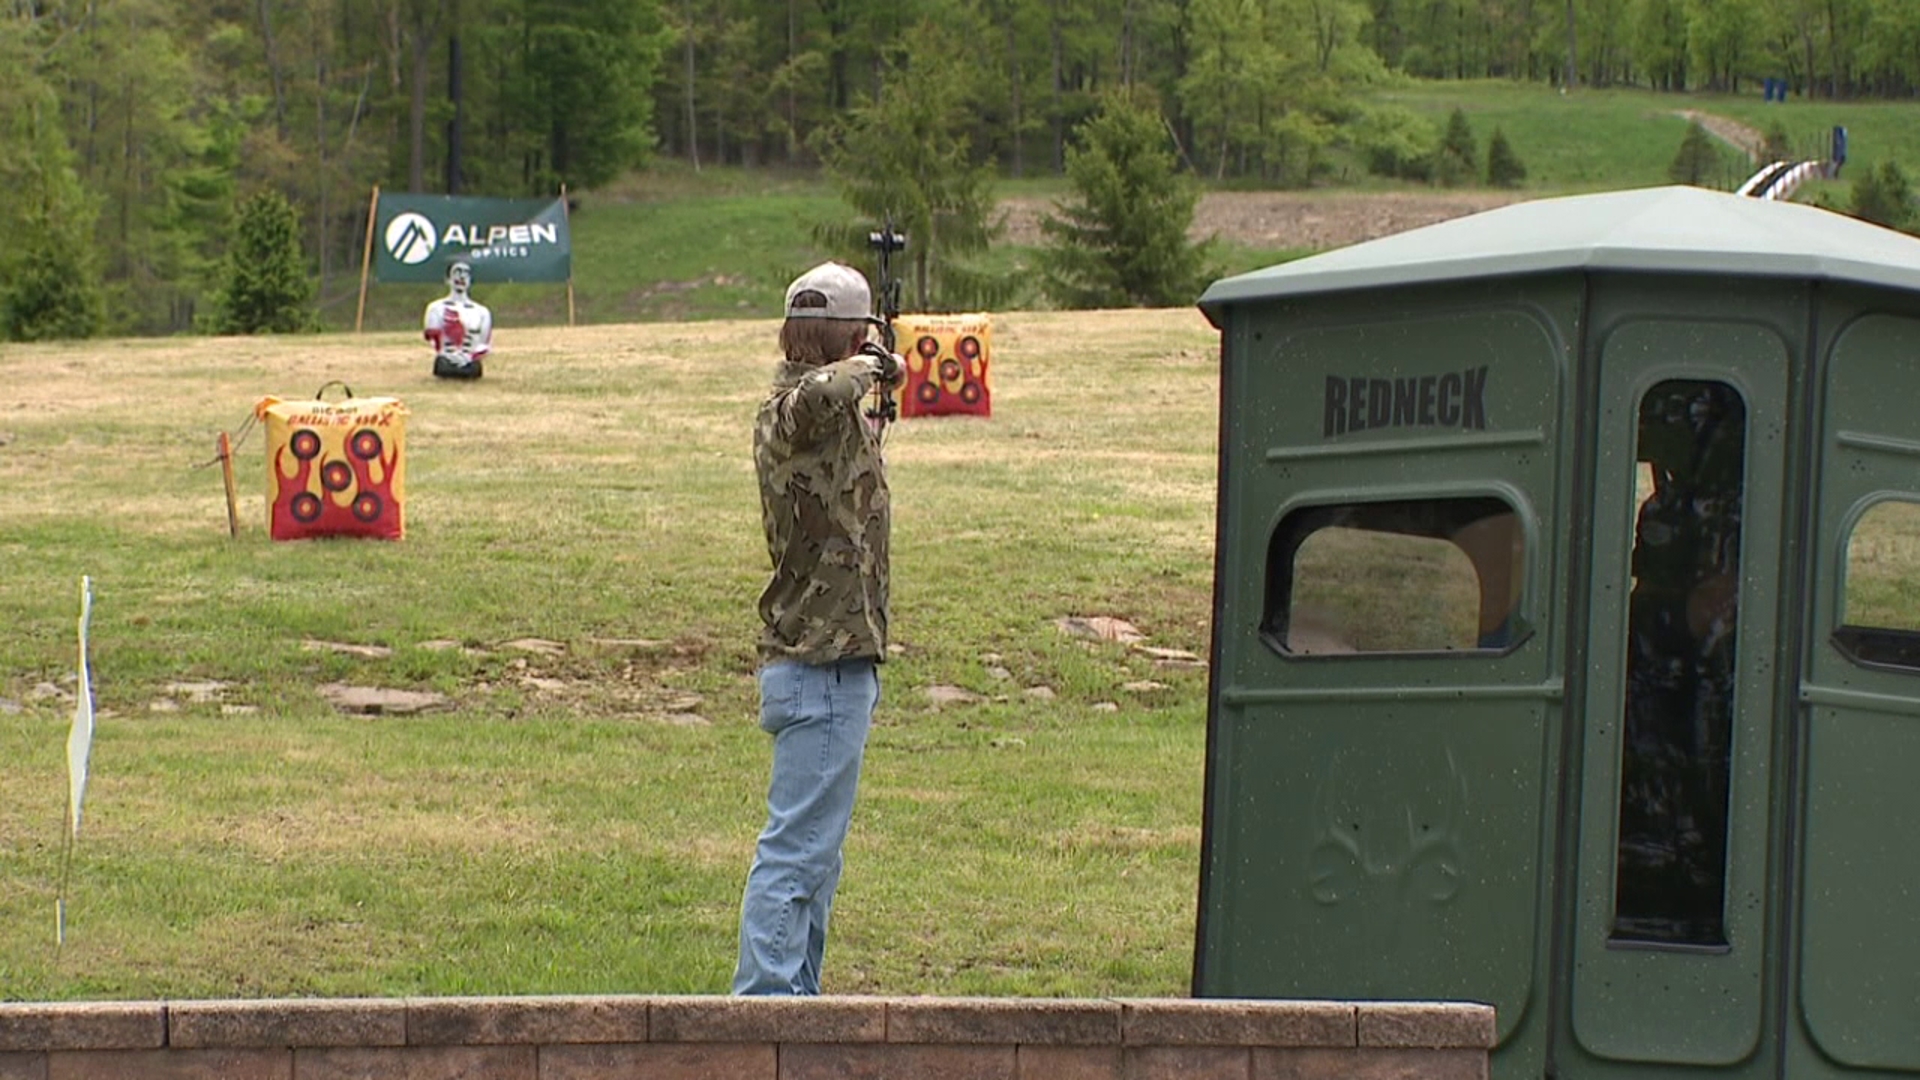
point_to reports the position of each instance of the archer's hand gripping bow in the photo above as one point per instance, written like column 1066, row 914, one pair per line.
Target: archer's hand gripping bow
column 885, row 243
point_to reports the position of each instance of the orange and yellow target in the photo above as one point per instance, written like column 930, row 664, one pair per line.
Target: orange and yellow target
column 335, row 468
column 947, row 361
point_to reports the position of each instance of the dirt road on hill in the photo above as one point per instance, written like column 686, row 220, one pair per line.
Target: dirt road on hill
column 1295, row 219
column 1319, row 220
column 1747, row 140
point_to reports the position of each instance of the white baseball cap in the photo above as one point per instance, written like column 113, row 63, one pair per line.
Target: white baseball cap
column 830, row 291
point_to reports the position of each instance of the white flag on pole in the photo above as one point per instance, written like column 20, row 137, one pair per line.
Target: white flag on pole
column 80, row 739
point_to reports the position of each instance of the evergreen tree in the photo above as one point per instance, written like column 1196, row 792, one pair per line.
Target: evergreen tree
column 1697, row 160
column 266, row 286
column 1776, row 147
column 1458, row 157
column 1122, row 239
column 1504, row 169
column 49, row 288
column 50, row 285
column 1883, row 196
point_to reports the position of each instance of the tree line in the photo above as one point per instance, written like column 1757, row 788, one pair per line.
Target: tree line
column 131, row 131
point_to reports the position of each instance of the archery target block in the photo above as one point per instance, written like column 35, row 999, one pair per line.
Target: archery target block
column 947, row 357
column 335, row 468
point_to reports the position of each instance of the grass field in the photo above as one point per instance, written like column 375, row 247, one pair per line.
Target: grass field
column 580, row 817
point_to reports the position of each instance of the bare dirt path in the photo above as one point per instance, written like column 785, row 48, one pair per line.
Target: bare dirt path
column 1320, row 220
column 1747, row 140
column 1294, row 219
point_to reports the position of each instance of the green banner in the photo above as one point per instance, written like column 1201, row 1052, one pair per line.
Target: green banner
column 416, row 237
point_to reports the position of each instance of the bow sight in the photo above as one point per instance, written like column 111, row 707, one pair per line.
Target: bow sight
column 885, row 243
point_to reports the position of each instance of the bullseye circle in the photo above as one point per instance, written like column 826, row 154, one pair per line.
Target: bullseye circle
column 336, row 476
column 367, row 507
column 365, row 444
column 305, row 444
column 305, row 508
column 927, row 393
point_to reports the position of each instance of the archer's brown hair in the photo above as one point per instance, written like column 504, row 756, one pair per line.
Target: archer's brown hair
column 821, row 341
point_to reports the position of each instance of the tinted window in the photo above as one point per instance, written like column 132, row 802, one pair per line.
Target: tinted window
column 1682, row 617
column 1412, row 576
column 1881, row 623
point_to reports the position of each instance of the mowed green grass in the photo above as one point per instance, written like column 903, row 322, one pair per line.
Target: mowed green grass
column 562, row 827
column 1591, row 140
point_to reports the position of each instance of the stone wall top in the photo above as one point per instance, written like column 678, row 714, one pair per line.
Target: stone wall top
column 625, row 1019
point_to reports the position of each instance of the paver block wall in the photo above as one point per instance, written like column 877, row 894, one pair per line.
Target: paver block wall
column 723, row 1038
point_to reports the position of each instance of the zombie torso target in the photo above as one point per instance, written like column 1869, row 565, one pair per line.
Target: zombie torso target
column 460, row 329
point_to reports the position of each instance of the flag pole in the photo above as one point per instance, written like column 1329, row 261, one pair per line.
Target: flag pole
column 366, row 257
column 567, row 216
column 79, row 749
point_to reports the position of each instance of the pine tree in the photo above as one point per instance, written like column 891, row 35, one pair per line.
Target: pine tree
column 266, row 287
column 50, row 282
column 1697, row 159
column 1504, row 168
column 1458, row 157
column 49, row 289
column 1121, row 240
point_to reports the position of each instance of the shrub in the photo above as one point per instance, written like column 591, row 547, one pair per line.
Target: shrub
column 1395, row 142
column 1883, row 196
column 1776, row 147
column 1698, row 160
column 265, row 287
column 1504, row 169
column 1457, row 159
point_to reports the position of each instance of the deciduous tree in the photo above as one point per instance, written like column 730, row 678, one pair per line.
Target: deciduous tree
column 906, row 155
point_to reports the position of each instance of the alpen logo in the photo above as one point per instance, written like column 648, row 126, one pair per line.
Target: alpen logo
column 411, row 238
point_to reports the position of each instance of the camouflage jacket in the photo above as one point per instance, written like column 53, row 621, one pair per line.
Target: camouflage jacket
column 823, row 500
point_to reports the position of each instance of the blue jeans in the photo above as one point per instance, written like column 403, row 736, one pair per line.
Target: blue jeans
column 818, row 716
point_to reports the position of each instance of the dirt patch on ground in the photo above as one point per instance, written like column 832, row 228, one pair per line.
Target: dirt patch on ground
column 1747, row 140
column 1293, row 219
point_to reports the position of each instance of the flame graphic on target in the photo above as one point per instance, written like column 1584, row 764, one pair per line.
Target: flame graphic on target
column 947, row 365
column 343, row 490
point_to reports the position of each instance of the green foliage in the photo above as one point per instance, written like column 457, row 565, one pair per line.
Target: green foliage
column 1504, row 168
column 1395, row 142
column 906, row 157
column 1261, row 80
column 49, row 288
column 1121, row 241
column 1457, row 158
column 266, row 287
column 1777, row 146
column 1698, row 160
column 49, row 278
column 588, row 68
column 1883, row 196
